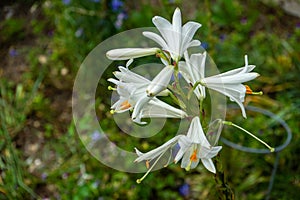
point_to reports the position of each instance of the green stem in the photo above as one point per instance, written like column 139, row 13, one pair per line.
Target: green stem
column 224, row 190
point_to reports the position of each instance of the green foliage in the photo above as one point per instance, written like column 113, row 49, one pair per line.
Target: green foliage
column 41, row 153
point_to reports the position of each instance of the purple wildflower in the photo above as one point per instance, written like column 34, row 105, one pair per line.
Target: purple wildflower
column 96, row 136
column 116, row 5
column 184, row 190
column 66, row 2
column 65, row 175
column 79, row 32
column 244, row 20
column 13, row 52
column 44, row 176
column 120, row 19
column 222, row 37
column 204, row 45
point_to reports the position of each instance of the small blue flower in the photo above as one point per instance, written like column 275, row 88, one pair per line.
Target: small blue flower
column 13, row 52
column 222, row 37
column 244, row 20
column 65, row 175
column 66, row 2
column 298, row 25
column 44, row 176
column 96, row 136
column 184, row 189
column 120, row 19
column 116, row 5
column 79, row 32
column 204, row 45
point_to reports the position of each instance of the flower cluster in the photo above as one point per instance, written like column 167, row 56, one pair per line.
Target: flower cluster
column 140, row 95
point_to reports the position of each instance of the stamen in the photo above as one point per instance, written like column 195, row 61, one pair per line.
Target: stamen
column 111, row 88
column 147, row 164
column 112, row 112
column 242, row 129
column 125, row 105
column 249, row 91
column 193, row 157
column 138, row 181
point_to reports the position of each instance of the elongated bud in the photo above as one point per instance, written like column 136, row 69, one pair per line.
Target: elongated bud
column 161, row 81
column 129, row 53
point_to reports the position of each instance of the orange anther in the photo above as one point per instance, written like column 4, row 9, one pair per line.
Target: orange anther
column 125, row 105
column 147, row 164
column 194, row 156
column 248, row 90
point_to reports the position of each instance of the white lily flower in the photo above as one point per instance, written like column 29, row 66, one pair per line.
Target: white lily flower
column 161, row 81
column 230, row 83
column 192, row 70
column 194, row 147
column 176, row 39
column 157, row 151
column 132, row 90
column 129, row 53
column 156, row 154
column 153, row 107
column 131, row 87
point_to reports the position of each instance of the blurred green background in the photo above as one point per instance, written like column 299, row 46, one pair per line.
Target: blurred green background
column 42, row 46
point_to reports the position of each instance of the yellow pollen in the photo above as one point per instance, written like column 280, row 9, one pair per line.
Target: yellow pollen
column 193, row 157
column 125, row 105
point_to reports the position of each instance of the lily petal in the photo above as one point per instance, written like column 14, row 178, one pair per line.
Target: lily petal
column 161, row 81
column 209, row 165
column 129, row 53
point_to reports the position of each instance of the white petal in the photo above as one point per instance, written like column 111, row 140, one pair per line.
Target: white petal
column 205, row 152
column 157, row 151
column 177, row 36
column 196, row 134
column 158, row 108
column 185, row 161
column 139, row 106
column 239, row 70
column 129, row 53
column 194, row 163
column 176, row 21
column 129, row 62
column 163, row 26
column 193, row 43
column 184, row 143
column 231, row 95
column 156, row 38
column 128, row 76
column 161, row 81
column 188, row 32
column 209, row 165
